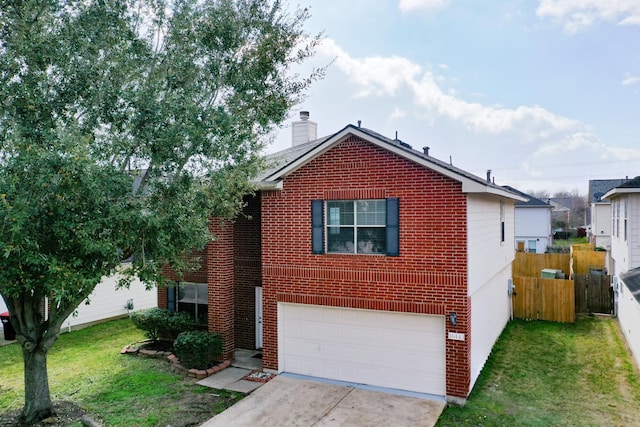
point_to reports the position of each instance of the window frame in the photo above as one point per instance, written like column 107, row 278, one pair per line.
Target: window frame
column 319, row 232
column 355, row 226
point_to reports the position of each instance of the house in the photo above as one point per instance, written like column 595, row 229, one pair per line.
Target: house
column 628, row 309
column 600, row 211
column 107, row 301
column 363, row 260
column 533, row 224
column 625, row 255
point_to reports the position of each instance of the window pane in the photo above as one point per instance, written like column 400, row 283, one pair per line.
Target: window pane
column 340, row 213
column 340, row 240
column 371, row 212
column 192, row 299
column 372, row 240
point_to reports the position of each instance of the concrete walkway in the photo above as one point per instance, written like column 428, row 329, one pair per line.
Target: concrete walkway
column 288, row 402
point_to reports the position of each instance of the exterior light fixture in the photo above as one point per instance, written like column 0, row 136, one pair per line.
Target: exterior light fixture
column 453, row 317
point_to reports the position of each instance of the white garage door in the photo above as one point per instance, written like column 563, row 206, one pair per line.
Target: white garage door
column 379, row 348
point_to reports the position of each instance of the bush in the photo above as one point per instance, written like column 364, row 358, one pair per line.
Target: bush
column 159, row 323
column 197, row 349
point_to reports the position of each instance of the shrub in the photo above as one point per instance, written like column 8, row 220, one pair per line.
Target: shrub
column 197, row 349
column 159, row 323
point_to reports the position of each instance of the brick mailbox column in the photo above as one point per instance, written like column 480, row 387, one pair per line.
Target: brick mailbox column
column 220, row 284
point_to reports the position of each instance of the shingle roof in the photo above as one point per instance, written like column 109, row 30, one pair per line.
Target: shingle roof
column 632, row 183
column 632, row 279
column 278, row 162
column 628, row 186
column 533, row 202
column 599, row 187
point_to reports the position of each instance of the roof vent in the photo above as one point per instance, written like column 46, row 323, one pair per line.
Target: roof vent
column 425, row 150
column 489, row 175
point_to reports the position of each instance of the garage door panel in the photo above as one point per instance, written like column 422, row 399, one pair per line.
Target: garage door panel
column 386, row 349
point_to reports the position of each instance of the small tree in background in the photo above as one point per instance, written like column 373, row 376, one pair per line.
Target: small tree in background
column 124, row 125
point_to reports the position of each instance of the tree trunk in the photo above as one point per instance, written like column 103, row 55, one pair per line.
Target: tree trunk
column 37, row 404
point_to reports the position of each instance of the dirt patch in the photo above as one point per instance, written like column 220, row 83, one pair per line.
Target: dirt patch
column 193, row 409
column 66, row 414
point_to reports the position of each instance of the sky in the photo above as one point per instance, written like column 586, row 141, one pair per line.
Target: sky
column 545, row 93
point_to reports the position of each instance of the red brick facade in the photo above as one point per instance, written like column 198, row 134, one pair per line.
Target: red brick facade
column 429, row 276
column 247, row 271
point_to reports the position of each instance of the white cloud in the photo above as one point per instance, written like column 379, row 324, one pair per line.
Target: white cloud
column 578, row 14
column 374, row 75
column 386, row 76
column 630, row 80
column 410, row 5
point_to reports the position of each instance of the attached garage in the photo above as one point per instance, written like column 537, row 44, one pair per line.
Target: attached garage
column 380, row 348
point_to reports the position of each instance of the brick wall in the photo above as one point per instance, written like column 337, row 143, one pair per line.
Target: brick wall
column 220, row 284
column 429, row 276
column 247, row 267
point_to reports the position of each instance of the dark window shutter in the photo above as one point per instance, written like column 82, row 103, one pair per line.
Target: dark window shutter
column 317, row 227
column 393, row 229
column 171, row 298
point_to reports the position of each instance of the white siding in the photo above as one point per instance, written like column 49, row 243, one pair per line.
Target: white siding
column 629, row 318
column 533, row 224
column 601, row 224
column 490, row 312
column 487, row 254
column 626, row 253
column 634, row 230
column 489, row 271
column 108, row 302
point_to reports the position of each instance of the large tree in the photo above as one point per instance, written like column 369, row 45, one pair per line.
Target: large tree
column 124, row 126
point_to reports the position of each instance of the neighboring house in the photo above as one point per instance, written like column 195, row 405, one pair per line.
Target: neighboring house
column 600, row 211
column 628, row 309
column 107, row 302
column 533, row 224
column 625, row 254
column 625, row 225
column 362, row 260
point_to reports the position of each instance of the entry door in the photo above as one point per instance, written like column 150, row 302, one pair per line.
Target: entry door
column 258, row 317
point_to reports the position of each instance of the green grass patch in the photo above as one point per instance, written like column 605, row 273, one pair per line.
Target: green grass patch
column 86, row 367
column 570, row 242
column 545, row 373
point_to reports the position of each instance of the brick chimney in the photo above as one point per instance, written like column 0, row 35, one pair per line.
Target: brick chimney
column 303, row 130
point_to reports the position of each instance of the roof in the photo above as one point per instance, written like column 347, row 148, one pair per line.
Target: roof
column 532, row 202
column 632, row 279
column 562, row 202
column 599, row 187
column 628, row 186
column 284, row 162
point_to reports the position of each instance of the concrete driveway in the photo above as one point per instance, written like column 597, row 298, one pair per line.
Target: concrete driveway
column 287, row 402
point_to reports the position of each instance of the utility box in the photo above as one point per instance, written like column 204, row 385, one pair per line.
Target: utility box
column 550, row 273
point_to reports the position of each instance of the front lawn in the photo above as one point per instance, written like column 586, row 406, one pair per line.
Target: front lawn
column 86, row 367
column 560, row 374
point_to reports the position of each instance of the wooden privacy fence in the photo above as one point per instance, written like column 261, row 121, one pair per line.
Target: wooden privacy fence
column 594, row 293
column 585, row 261
column 530, row 265
column 543, row 299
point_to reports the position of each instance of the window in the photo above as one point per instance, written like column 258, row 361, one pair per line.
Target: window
column 502, row 232
column 532, row 244
column 190, row 298
column 355, row 226
column 624, row 217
